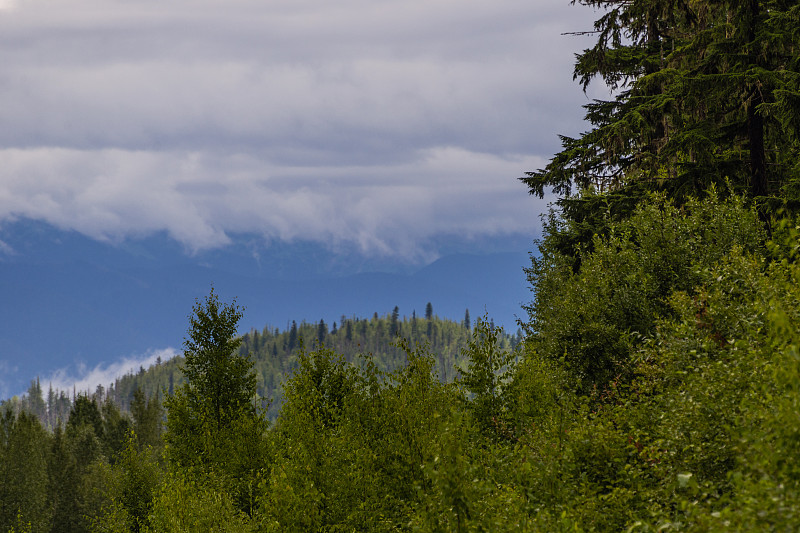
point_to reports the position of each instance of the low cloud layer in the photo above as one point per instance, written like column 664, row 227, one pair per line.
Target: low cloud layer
column 383, row 209
column 85, row 379
column 376, row 124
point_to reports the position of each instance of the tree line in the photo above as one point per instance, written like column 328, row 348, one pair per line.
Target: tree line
column 274, row 353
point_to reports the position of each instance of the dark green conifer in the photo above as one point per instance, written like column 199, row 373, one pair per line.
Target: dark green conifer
column 702, row 90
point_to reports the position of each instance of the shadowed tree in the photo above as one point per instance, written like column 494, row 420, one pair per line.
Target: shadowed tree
column 23, row 472
column 146, row 419
column 704, row 93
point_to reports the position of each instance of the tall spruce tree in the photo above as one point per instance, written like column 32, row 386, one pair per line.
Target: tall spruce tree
column 705, row 91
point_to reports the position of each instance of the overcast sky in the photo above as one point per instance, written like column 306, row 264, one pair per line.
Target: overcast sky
column 375, row 123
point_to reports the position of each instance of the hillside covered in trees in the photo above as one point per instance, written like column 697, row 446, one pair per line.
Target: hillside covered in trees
column 275, row 356
column 655, row 389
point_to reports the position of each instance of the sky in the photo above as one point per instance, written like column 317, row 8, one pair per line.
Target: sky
column 383, row 127
column 377, row 124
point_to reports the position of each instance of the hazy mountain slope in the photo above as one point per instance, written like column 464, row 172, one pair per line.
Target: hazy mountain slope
column 69, row 300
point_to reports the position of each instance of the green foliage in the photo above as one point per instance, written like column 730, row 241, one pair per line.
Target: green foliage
column 160, row 380
column 276, row 360
column 23, row 473
column 137, row 480
column 62, row 482
column 593, row 319
column 185, row 505
column 85, row 412
column 94, row 493
column 688, row 441
column 115, row 429
column 350, row 442
column 297, row 493
column 703, row 93
column 147, row 419
column 213, row 428
column 452, row 486
column 275, row 354
column 220, row 383
column 219, row 386
column 485, row 377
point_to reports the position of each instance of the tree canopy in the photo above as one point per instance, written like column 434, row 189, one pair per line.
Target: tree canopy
column 219, row 387
column 704, row 92
column 656, row 387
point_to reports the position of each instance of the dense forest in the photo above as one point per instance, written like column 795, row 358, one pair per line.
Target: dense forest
column 655, row 387
column 275, row 356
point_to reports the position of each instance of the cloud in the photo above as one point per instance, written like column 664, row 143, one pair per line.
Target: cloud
column 5, row 370
column 377, row 124
column 83, row 379
column 200, row 198
column 6, row 249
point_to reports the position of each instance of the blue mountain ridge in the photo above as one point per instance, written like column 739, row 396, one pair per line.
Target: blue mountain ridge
column 69, row 300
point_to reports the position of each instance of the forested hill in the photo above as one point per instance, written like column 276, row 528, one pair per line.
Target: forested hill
column 657, row 388
column 275, row 354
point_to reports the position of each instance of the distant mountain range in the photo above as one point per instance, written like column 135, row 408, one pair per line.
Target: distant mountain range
column 70, row 300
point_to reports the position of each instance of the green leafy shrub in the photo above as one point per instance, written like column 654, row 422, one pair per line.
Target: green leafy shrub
column 186, row 505
column 593, row 319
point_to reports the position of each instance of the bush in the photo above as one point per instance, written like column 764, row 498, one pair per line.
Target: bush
column 595, row 318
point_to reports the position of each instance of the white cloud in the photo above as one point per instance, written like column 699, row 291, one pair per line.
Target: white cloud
column 202, row 198
column 374, row 123
column 85, row 379
column 5, row 370
column 6, row 249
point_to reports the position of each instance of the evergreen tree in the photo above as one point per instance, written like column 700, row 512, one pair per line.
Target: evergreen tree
column 293, row 336
column 213, row 427
column 51, row 407
column 219, row 385
column 394, row 324
column 35, row 400
column 63, row 482
column 487, row 372
column 704, row 92
column 23, row 472
column 85, row 412
column 116, row 427
column 146, row 419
